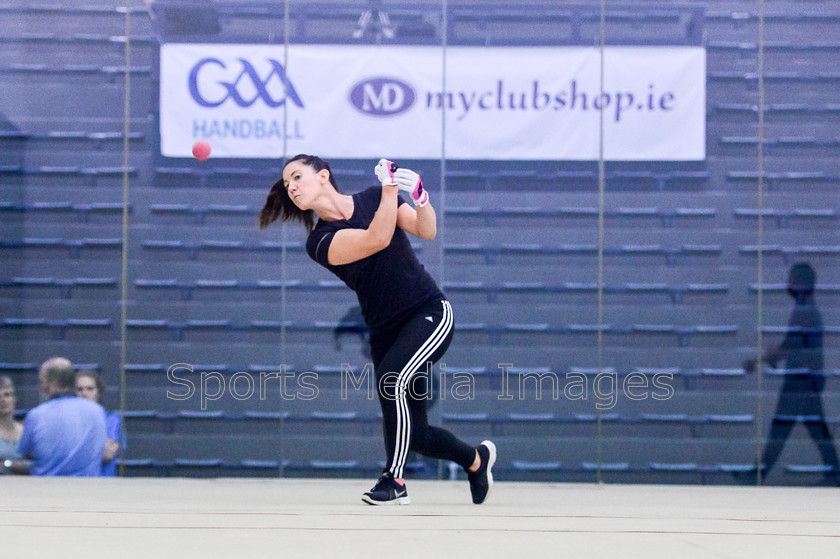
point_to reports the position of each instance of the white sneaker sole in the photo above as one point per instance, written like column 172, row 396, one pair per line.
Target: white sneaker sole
column 398, row 501
column 492, row 460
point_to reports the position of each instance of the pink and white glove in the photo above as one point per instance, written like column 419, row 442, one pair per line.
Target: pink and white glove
column 385, row 172
column 409, row 181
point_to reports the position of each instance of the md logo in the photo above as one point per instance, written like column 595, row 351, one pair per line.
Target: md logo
column 382, row 96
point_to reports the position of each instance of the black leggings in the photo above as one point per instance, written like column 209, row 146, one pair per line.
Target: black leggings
column 399, row 353
column 795, row 402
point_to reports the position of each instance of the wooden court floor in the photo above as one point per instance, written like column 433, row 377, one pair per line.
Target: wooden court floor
column 154, row 518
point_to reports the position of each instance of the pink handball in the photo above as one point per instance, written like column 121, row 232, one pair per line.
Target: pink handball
column 201, row 150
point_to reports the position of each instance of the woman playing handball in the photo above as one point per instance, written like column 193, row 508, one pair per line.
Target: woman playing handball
column 362, row 240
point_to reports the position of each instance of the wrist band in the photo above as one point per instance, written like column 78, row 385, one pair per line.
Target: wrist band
column 423, row 200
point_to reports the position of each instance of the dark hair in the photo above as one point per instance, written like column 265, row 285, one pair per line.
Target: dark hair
column 97, row 379
column 278, row 205
column 802, row 278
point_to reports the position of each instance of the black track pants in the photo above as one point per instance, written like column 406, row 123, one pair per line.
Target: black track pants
column 401, row 356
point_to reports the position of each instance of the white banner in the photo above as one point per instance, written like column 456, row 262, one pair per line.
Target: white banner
column 519, row 103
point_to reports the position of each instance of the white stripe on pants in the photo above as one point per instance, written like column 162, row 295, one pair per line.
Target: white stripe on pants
column 403, row 416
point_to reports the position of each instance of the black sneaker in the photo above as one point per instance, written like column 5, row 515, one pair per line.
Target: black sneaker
column 481, row 480
column 387, row 492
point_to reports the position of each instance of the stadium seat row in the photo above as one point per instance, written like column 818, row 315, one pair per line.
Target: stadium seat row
column 89, row 174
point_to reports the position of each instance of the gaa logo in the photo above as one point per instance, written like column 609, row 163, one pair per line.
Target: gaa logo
column 382, row 96
column 212, row 82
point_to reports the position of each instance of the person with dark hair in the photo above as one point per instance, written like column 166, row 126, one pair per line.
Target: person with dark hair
column 65, row 435
column 801, row 352
column 361, row 238
column 90, row 385
column 10, row 430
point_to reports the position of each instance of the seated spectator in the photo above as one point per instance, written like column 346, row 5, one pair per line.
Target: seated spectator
column 91, row 386
column 10, row 430
column 65, row 435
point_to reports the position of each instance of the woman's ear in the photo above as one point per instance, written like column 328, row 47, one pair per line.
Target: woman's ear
column 325, row 175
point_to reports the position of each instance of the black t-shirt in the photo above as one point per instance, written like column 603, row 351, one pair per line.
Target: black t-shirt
column 389, row 283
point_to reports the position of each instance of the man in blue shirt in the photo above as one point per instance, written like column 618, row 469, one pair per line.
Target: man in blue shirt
column 65, row 435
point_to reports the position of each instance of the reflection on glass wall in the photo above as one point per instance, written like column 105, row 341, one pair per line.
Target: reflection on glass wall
column 635, row 228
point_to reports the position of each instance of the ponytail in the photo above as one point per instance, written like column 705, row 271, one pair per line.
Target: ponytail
column 274, row 205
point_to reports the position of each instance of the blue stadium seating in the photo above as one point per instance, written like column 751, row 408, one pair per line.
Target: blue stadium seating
column 517, row 252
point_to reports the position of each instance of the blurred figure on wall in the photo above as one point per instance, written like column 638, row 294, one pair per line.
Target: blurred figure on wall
column 353, row 324
column 801, row 354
